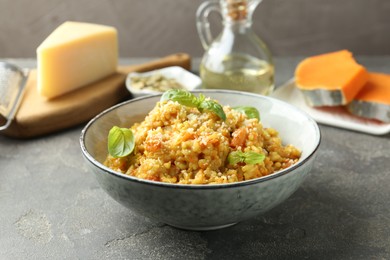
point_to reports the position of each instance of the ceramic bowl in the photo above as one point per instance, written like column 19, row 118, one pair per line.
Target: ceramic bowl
column 203, row 207
column 187, row 79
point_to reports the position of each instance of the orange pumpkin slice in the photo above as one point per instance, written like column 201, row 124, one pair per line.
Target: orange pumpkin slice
column 330, row 79
column 373, row 101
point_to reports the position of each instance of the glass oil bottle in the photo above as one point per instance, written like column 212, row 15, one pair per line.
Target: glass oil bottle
column 237, row 59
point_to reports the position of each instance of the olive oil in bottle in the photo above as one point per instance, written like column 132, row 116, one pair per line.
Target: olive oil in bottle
column 237, row 58
column 240, row 73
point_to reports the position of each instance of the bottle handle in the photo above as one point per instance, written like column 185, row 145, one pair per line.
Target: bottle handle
column 202, row 21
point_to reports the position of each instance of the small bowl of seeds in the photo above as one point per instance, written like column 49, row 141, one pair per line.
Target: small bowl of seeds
column 161, row 80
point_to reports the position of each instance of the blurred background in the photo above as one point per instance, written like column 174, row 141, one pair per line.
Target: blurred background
column 152, row 28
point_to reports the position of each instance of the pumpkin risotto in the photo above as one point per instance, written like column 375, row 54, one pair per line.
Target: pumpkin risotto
column 179, row 144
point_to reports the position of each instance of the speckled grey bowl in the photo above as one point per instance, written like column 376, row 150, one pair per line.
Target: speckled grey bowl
column 203, row 207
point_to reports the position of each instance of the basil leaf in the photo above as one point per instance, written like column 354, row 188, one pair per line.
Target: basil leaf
column 186, row 98
column 247, row 157
column 254, row 158
column 120, row 142
column 201, row 98
column 250, row 112
column 236, row 157
column 211, row 105
column 181, row 96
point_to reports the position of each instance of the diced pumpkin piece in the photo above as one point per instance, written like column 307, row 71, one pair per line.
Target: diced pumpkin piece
column 330, row 79
column 373, row 101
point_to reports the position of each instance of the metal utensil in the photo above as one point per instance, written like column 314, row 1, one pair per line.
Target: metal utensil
column 12, row 84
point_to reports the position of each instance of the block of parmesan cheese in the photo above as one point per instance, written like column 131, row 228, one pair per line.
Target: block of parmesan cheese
column 330, row 79
column 74, row 55
column 373, row 101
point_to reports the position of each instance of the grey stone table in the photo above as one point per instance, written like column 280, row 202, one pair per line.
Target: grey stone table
column 53, row 208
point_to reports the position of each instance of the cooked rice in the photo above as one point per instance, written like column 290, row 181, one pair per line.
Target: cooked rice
column 178, row 144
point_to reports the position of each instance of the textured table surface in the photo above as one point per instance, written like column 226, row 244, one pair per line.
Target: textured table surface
column 53, row 208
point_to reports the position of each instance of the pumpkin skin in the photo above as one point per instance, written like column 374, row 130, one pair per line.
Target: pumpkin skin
column 373, row 100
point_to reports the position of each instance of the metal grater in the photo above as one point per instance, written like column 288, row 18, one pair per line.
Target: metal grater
column 12, row 84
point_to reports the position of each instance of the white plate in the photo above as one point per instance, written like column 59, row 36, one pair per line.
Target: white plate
column 334, row 116
column 187, row 79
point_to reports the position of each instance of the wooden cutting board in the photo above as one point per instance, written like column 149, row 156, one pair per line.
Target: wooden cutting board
column 37, row 116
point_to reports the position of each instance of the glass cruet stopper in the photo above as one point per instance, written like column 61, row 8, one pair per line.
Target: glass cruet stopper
column 237, row 58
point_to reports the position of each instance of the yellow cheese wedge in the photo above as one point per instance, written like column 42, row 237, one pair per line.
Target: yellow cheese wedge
column 74, row 55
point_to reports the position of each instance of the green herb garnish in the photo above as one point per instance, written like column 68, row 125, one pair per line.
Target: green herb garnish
column 186, row 98
column 211, row 105
column 120, row 142
column 247, row 157
column 250, row 112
